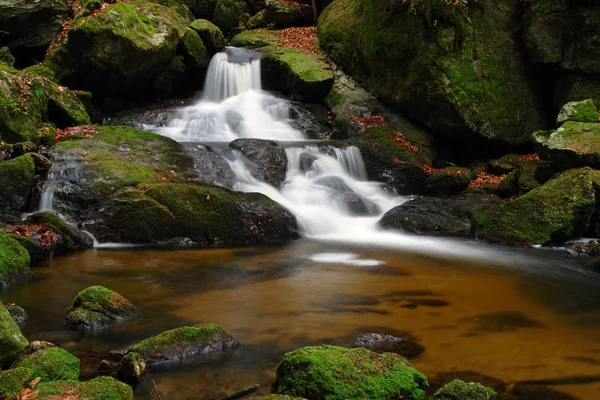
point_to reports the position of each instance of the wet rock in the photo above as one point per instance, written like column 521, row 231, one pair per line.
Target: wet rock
column 459, row 390
column 388, row 344
column 17, row 313
column 351, row 202
column 555, row 212
column 51, row 364
column 132, row 368
column 13, row 381
column 306, row 161
column 71, row 238
column 97, row 307
column 41, row 242
column 505, row 164
column 210, row 34
column 267, row 161
column 211, row 167
column 101, row 388
column 590, row 248
column 12, row 341
column 330, row 372
column 14, row 259
column 448, row 181
column 105, row 367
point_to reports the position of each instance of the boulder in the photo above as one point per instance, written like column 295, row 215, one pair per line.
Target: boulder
column 17, row 179
column 12, row 381
column 12, row 341
column 71, row 238
column 266, row 160
column 555, row 212
column 14, row 259
column 460, row 390
column 102, row 57
column 51, row 364
column 17, row 313
column 448, row 181
column 347, row 199
column 193, row 50
column 330, row 372
column 211, row 35
column 228, row 13
column 578, row 111
column 574, row 144
column 97, row 307
column 100, row 388
column 283, row 14
column 457, row 69
column 201, row 8
column 259, row 20
column 132, row 368
column 388, row 344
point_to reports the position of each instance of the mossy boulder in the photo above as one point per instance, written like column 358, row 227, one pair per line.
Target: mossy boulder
column 455, row 68
column 121, row 50
column 202, row 9
column 6, row 57
column 12, row 381
column 228, row 13
column 330, row 372
column 448, row 181
column 12, row 341
column 578, row 111
column 17, row 179
column 283, row 14
column 194, row 51
column 96, row 308
column 184, row 342
column 51, row 364
column 17, row 313
column 574, row 144
column 390, row 163
column 210, row 34
column 100, row 388
column 266, row 160
column 460, row 390
column 14, row 259
column 132, row 368
column 555, row 212
column 72, row 239
column 258, row 20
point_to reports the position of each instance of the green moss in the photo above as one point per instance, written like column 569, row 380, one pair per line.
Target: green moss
column 277, row 397
column 39, row 69
column 110, row 301
column 210, row 33
column 51, row 364
column 72, row 238
column 13, row 381
column 255, row 38
column 101, row 388
column 259, row 20
column 14, row 259
column 585, row 111
column 227, row 14
column 559, row 210
column 459, row 390
column 178, row 338
column 330, row 372
column 6, row 57
column 193, row 47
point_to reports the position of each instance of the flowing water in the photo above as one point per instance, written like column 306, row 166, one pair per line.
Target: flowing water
column 529, row 318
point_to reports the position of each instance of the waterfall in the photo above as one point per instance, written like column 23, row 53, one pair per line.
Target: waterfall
column 230, row 73
column 48, row 191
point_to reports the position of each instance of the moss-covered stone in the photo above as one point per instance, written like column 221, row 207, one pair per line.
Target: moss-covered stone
column 17, row 178
column 174, row 71
column 460, row 390
column 184, row 342
column 72, row 239
column 462, row 76
column 204, row 9
column 210, row 34
column 39, row 69
column 258, row 20
column 51, row 364
column 448, row 181
column 14, row 259
column 284, row 14
column 12, row 341
column 13, row 381
column 267, row 161
column 132, row 368
column 17, row 313
column 330, row 372
column 228, row 13
column 101, row 388
column 574, row 144
column 255, row 38
column 6, row 57
column 97, row 307
column 555, row 212
column 193, row 50
column 578, row 111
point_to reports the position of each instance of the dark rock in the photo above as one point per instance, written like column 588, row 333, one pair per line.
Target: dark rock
column 389, row 344
column 105, row 367
column 228, row 14
column 17, row 313
column 590, row 248
column 132, row 368
column 448, row 181
column 17, row 179
column 71, row 238
column 267, row 161
column 505, row 164
column 211, row 167
column 348, row 200
column 283, row 14
column 211, row 35
column 306, row 161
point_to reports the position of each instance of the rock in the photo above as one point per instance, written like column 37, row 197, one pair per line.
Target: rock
column 6, row 57
column 347, row 199
column 14, row 260
column 227, row 14
column 593, row 264
column 51, row 364
column 41, row 242
column 267, row 161
column 97, row 307
column 277, row 397
column 193, row 50
column 574, row 144
column 306, row 161
column 555, row 212
column 105, row 367
column 211, row 35
column 388, row 344
column 393, row 165
column 330, row 372
column 283, row 14
column 102, row 57
column 29, row 27
column 201, row 8
column 578, row 111
column 38, row 345
column 448, row 181
column 132, row 368
column 438, row 217
column 12, row 381
column 459, row 390
column 533, row 173
column 259, row 20
column 590, row 248
column 212, row 169
column 100, row 388
column 17, row 313
column 42, row 164
column 434, row 73
column 17, row 179
column 12, row 341
column 72, row 239
column 505, row 164
column 181, row 343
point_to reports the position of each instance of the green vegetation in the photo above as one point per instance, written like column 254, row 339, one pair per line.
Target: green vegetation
column 14, row 259
column 459, row 390
column 210, row 33
column 51, row 364
column 97, row 307
column 12, row 381
column 101, row 388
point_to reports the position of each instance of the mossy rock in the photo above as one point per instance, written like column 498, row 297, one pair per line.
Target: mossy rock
column 283, row 14
column 132, row 368
column 17, row 313
column 184, row 342
column 97, row 307
column 202, row 9
column 6, row 57
column 505, row 164
column 174, row 72
column 100, row 388
column 463, row 75
column 72, row 239
column 13, row 381
column 51, row 364
column 578, row 111
column 228, row 13
column 121, row 50
column 533, row 173
column 448, row 181
column 460, row 390
column 555, row 212
column 178, row 6
column 574, row 144
column 330, row 372
column 255, row 38
column 12, row 341
column 17, row 179
column 258, row 20
column 14, row 259
column 194, row 51
column 210, row 34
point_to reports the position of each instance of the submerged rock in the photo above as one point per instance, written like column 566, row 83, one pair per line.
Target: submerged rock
column 12, row 341
column 51, row 364
column 388, row 344
column 100, row 388
column 97, row 307
column 267, row 161
column 17, row 313
column 555, row 212
column 14, row 259
column 459, row 390
column 330, row 372
column 132, row 368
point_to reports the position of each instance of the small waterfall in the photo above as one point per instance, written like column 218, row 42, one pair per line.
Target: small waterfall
column 48, row 191
column 232, row 72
